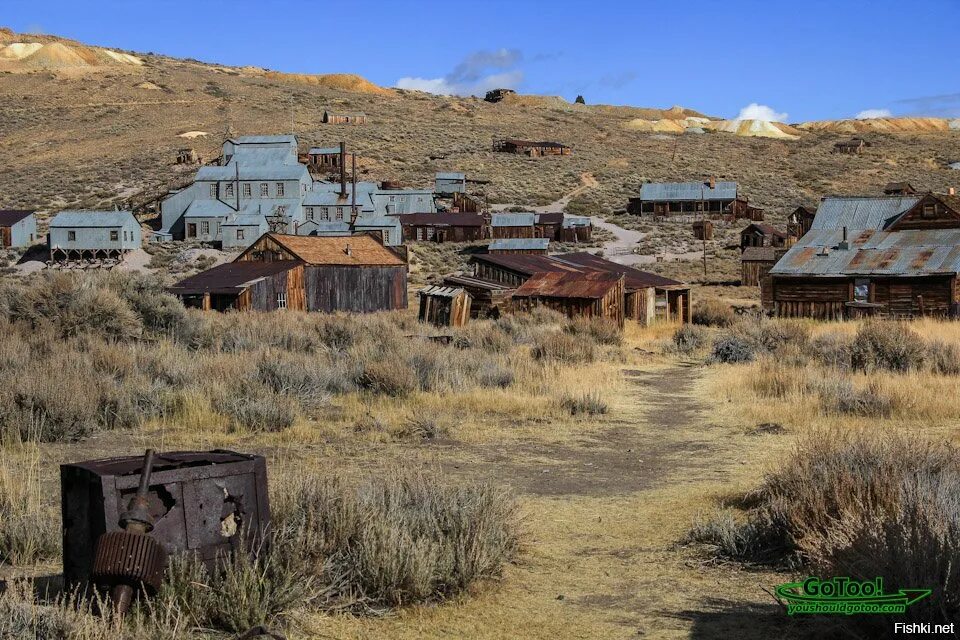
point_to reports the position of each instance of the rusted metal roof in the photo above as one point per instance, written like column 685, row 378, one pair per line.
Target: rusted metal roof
column 232, row 277
column 358, row 250
column 526, row 264
column 635, row 278
column 475, row 283
column 590, row 285
column 10, row 217
column 765, row 229
column 551, row 217
column 442, row 219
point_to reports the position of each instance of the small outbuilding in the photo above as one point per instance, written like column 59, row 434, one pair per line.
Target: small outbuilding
column 592, row 294
column 703, row 230
column 448, row 183
column 576, row 229
column 512, row 225
column 762, row 235
column 325, row 158
column 854, row 146
column 531, row 148
column 444, row 306
column 899, row 189
column 519, row 245
column 333, row 117
column 18, row 228
column 756, row 262
column 800, row 221
column 93, row 235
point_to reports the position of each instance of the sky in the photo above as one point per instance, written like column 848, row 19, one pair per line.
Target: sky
column 790, row 61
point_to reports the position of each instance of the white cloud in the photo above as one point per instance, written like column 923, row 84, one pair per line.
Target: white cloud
column 867, row 114
column 474, row 75
column 754, row 111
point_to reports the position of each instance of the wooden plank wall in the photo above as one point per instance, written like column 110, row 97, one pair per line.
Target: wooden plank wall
column 361, row 289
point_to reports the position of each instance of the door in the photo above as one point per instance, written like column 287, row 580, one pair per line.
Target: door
column 5, row 237
column 191, row 230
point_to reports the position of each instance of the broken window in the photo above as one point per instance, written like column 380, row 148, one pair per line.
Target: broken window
column 239, row 234
column 928, row 211
column 282, row 300
column 229, row 189
column 861, row 290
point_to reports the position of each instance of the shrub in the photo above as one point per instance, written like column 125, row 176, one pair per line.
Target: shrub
column 943, row 357
column 887, row 345
column 589, row 403
column 732, row 348
column 690, row 338
column 389, row 377
column 430, row 426
column 29, row 532
column 839, row 395
column 259, row 411
column 563, row 347
column 600, row 330
column 726, row 536
column 711, row 312
column 832, row 350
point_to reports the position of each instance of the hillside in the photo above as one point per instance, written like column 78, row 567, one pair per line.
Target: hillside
column 92, row 139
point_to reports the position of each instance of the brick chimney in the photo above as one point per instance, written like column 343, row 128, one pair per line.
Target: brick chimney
column 952, row 191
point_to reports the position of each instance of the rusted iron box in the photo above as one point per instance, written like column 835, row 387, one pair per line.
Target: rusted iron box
column 201, row 501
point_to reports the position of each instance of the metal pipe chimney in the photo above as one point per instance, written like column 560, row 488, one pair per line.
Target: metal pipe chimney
column 343, row 169
column 353, row 203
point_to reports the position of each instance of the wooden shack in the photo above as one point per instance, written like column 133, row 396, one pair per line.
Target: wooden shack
column 443, row 227
column 591, row 294
column 898, row 189
column 354, row 273
column 487, row 299
column 188, row 156
column 18, row 228
column 548, row 225
column 703, row 230
column 800, row 221
column 893, row 256
column 762, row 235
column 854, row 146
column 333, row 117
column 328, row 159
column 531, row 148
column 512, row 225
column 444, row 306
column 575, row 229
column 756, row 262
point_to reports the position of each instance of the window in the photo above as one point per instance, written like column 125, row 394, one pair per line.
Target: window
column 124, row 236
column 420, row 235
column 392, row 198
column 239, row 234
column 309, row 213
column 218, row 228
column 213, row 190
column 229, row 189
column 204, row 227
column 339, row 213
column 279, row 189
column 861, row 290
column 282, row 300
column 386, row 236
column 928, row 211
column 246, row 190
column 325, row 214
column 71, row 236
column 264, row 189
column 114, row 235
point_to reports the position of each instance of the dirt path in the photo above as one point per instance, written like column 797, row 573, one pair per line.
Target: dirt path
column 587, row 182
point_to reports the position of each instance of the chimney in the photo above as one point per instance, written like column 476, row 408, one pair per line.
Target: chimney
column 844, row 244
column 347, row 250
column 343, row 169
column 353, row 204
column 952, row 191
column 713, row 182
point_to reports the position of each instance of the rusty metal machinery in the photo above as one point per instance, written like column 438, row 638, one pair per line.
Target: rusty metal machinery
column 129, row 560
column 204, row 502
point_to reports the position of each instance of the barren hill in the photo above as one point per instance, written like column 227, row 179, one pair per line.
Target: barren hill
column 92, row 139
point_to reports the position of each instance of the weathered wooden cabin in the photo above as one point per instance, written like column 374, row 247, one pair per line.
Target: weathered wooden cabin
column 328, row 159
column 533, row 246
column 93, row 235
column 443, row 227
column 512, row 225
column 355, row 273
column 488, row 299
column 575, row 229
column 591, row 294
column 444, row 306
column 756, row 262
column 800, row 221
column 547, row 225
column 762, row 235
column 711, row 198
column 447, row 183
column 893, row 256
column 333, row 117
column 18, row 228
column 703, row 230
column 854, row 146
column 531, row 148
column 899, row 189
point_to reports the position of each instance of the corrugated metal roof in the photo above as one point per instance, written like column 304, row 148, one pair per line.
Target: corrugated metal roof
column 358, row 250
column 92, row 219
column 674, row 191
column 376, row 221
column 231, row 277
column 552, row 217
column 450, row 175
column 512, row 219
column 442, row 219
column 527, row 264
column 251, row 169
column 837, row 212
column 635, row 278
column 873, row 252
column 476, row 283
column 287, row 138
column 570, row 222
column 591, row 285
column 10, row 217
column 323, row 150
column 519, row 244
column 324, row 227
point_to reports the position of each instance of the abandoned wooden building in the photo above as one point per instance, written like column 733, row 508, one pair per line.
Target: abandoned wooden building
column 891, row 256
column 703, row 230
column 328, row 159
column 758, row 234
column 447, row 183
column 487, row 298
column 512, row 225
column 443, row 227
column 547, row 225
column 444, row 306
column 18, row 228
column 575, row 229
column 712, row 199
column 188, row 156
column 531, row 148
column 854, row 146
column 333, row 117
column 590, row 294
column 538, row 246
column 898, row 189
column 309, row 273
column 93, row 235
column 756, row 262
column 800, row 221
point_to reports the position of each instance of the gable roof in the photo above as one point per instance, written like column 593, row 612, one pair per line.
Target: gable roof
column 232, row 277
column 551, row 217
column 93, row 219
column 287, row 138
column 571, row 222
column 861, row 212
column 357, row 250
column 635, row 278
column 10, row 217
column 553, row 284
column 252, row 166
column 765, row 229
column 674, row 191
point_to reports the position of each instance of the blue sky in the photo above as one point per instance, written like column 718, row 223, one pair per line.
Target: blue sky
column 807, row 59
